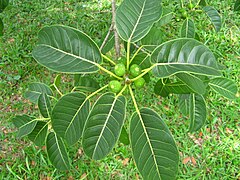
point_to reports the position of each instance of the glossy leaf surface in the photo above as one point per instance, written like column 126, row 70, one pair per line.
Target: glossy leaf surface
column 184, row 55
column 69, row 116
column 104, row 125
column 224, row 86
column 214, row 16
column 39, row 133
column 134, row 18
column 154, row 149
column 198, row 112
column 57, row 152
column 68, row 50
column 35, row 90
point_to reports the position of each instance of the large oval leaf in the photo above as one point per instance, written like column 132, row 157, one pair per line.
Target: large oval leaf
column 188, row 29
column 39, row 133
column 224, row 86
column 25, row 123
column 134, row 18
column 104, row 125
column 184, row 55
column 154, row 149
column 44, row 105
column 35, row 90
column 214, row 16
column 198, row 112
column 57, row 152
column 65, row 49
column 69, row 116
column 160, row 87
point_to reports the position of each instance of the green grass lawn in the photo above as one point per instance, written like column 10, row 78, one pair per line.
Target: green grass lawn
column 212, row 153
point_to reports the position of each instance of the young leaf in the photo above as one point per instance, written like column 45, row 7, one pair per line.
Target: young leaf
column 104, row 125
column 154, row 149
column 184, row 55
column 25, row 123
column 65, row 49
column 85, row 84
column 224, row 86
column 57, row 152
column 188, row 29
column 184, row 100
column 237, row 5
column 214, row 16
column 35, row 90
column 160, row 88
column 193, row 82
column 124, row 137
column 39, row 133
column 3, row 4
column 198, row 112
column 69, row 116
column 1, row 27
column 44, row 105
column 134, row 19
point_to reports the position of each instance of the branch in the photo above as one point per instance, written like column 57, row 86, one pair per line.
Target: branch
column 117, row 46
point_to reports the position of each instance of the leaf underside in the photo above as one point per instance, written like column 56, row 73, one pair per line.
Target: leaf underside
column 188, row 29
column 104, row 125
column 69, row 116
column 39, row 133
column 153, row 146
column 68, row 50
column 134, row 18
column 184, row 55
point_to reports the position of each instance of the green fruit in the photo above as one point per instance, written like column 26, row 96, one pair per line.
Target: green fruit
column 190, row 6
column 139, row 82
column 135, row 70
column 120, row 69
column 115, row 86
column 184, row 14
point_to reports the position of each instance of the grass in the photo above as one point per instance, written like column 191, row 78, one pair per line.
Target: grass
column 212, row 153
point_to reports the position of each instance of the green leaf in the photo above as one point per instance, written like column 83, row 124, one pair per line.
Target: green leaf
column 35, row 90
column 69, row 116
column 237, row 5
column 134, row 19
column 214, row 16
column 3, row 4
column 184, row 100
column 25, row 123
column 85, row 84
column 178, row 88
column 224, row 86
column 143, row 60
column 188, row 29
column 166, row 17
column 109, row 44
column 154, row 149
column 193, row 82
column 57, row 80
column 39, row 133
column 153, row 38
column 68, row 50
column 198, row 112
column 203, row 3
column 1, row 27
column 184, row 55
column 57, row 152
column 104, row 125
column 124, row 137
column 44, row 105
column 160, row 88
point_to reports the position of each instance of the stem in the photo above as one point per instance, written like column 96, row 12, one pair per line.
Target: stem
column 145, row 71
column 182, row 3
column 107, row 37
column 43, row 119
column 93, row 94
column 135, row 54
column 128, row 54
column 117, row 46
column 107, row 58
column 143, row 50
column 134, row 100
column 123, row 89
column 59, row 92
column 107, row 71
